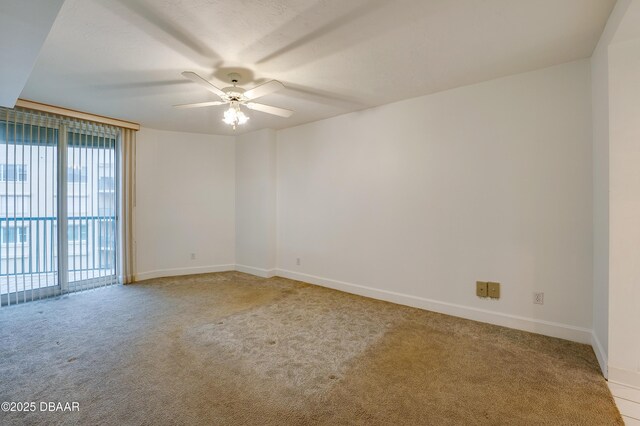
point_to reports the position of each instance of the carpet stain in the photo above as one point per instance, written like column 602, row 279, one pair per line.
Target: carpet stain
column 231, row 348
column 421, row 374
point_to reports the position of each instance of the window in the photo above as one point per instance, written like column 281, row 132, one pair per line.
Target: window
column 77, row 232
column 12, row 234
column 106, row 183
column 106, row 261
column 77, row 174
column 106, row 211
column 13, row 173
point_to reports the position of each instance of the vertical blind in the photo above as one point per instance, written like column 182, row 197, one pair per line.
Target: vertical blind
column 59, row 205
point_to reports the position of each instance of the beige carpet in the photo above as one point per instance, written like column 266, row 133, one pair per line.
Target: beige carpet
column 230, row 348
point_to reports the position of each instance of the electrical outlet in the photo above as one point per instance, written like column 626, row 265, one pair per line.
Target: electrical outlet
column 493, row 290
column 538, row 298
column 298, row 261
column 193, row 256
column 481, row 289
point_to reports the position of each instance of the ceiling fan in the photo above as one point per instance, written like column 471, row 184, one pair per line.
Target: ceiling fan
column 236, row 96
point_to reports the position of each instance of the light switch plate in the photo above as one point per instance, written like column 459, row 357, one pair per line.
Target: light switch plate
column 493, row 290
column 481, row 289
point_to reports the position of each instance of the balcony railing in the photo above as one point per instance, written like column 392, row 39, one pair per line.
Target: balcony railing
column 29, row 250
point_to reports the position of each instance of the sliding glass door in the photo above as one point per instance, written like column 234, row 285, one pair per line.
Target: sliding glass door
column 28, row 209
column 91, row 209
column 58, row 206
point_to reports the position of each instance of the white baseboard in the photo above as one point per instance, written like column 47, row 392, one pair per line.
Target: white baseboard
column 264, row 273
column 625, row 392
column 601, row 355
column 183, row 271
column 628, row 401
column 624, row 377
column 548, row 328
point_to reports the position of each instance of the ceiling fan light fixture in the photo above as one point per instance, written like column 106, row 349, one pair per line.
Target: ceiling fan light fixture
column 242, row 119
column 234, row 115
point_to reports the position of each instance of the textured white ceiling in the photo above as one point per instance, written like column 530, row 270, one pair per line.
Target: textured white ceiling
column 123, row 58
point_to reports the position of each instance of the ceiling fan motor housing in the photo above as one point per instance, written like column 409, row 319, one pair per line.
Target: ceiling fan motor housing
column 234, row 93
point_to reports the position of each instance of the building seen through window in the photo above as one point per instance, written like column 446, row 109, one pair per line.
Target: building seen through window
column 13, row 173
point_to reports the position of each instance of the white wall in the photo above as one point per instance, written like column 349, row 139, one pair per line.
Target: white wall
column 600, row 123
column 185, row 203
column 615, row 68
column 600, row 129
column 415, row 201
column 624, row 213
column 256, row 202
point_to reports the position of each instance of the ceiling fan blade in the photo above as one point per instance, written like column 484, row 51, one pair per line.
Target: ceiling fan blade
column 199, row 104
column 281, row 112
column 204, row 83
column 264, row 89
